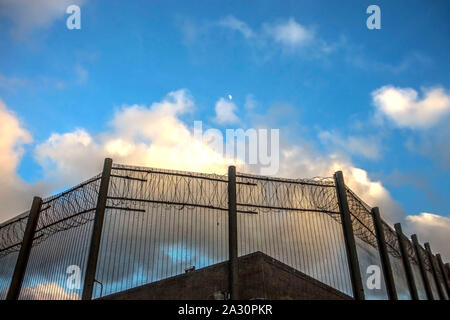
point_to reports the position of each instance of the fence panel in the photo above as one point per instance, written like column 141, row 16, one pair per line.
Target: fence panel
column 161, row 223
column 366, row 247
column 296, row 222
column 416, row 271
column 440, row 277
column 398, row 269
column 427, row 265
column 164, row 223
column 11, row 235
column 61, row 240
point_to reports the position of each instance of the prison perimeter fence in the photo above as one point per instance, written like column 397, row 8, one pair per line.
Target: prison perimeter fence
column 130, row 226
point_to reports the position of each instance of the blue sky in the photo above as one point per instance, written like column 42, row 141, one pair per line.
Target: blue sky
column 319, row 88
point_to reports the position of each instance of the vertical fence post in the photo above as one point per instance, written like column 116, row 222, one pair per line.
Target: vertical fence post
column 384, row 255
column 94, row 246
column 232, row 233
column 25, row 249
column 406, row 263
column 434, row 271
column 444, row 274
column 423, row 271
column 349, row 237
column 447, row 268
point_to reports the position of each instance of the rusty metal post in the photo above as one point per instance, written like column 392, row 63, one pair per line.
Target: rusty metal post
column 25, row 250
column 96, row 236
column 350, row 245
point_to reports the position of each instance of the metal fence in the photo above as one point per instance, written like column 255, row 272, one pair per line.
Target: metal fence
column 131, row 226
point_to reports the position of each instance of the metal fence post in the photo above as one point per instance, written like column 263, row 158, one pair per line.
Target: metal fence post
column 447, row 268
column 444, row 274
column 384, row 255
column 232, row 233
column 352, row 255
column 406, row 263
column 434, row 271
column 423, row 271
column 94, row 247
column 25, row 249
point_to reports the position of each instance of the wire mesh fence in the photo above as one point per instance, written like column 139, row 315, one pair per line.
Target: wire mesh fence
column 398, row 269
column 162, row 223
column 165, row 223
column 295, row 222
column 11, row 234
column 366, row 245
column 61, row 240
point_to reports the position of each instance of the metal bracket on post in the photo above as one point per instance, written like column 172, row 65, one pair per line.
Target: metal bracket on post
column 352, row 255
column 384, row 255
column 25, row 250
column 96, row 236
column 423, row 271
column 406, row 263
column 444, row 274
column 232, row 233
column 434, row 271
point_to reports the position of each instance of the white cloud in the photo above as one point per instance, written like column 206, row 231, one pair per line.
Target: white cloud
column 148, row 136
column 431, row 228
column 302, row 160
column 286, row 35
column 155, row 136
column 237, row 25
column 29, row 16
column 13, row 138
column 289, row 33
column 47, row 291
column 405, row 109
column 368, row 147
column 225, row 112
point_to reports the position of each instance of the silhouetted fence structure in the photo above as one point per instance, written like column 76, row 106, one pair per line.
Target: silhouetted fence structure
column 131, row 226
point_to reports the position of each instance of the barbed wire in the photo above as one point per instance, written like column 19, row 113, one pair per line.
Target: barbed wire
column 131, row 186
column 391, row 239
column 264, row 194
column 59, row 212
column 362, row 220
column 11, row 234
column 424, row 256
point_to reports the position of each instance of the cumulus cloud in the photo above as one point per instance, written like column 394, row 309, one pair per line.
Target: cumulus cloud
column 368, row 147
column 302, row 160
column 155, row 136
column 47, row 291
column 289, row 33
column 12, row 142
column 225, row 112
column 28, row 16
column 431, row 228
column 406, row 110
column 149, row 136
